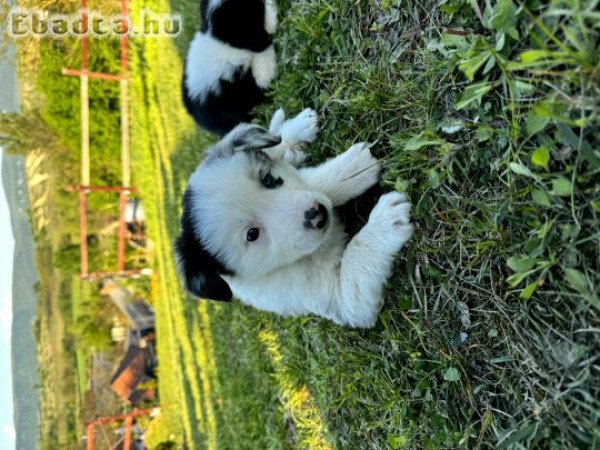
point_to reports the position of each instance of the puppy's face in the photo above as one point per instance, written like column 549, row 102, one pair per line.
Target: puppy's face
column 249, row 214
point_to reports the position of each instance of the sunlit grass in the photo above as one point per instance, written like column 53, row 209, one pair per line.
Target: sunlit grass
column 297, row 400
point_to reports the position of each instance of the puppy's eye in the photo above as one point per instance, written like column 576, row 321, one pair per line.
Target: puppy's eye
column 252, row 234
column 270, row 182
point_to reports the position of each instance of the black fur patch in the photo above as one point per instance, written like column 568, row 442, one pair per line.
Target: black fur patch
column 200, row 270
column 355, row 213
column 241, row 24
column 220, row 113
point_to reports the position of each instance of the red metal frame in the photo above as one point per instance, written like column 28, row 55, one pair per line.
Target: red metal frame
column 124, row 190
column 127, row 418
column 87, row 73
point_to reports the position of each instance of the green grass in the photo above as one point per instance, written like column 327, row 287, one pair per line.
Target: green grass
column 79, row 290
column 488, row 119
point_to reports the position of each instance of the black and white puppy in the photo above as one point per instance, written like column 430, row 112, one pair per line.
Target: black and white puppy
column 230, row 63
column 256, row 227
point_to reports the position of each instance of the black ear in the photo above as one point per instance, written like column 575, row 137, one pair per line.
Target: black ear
column 252, row 137
column 200, row 271
column 197, row 269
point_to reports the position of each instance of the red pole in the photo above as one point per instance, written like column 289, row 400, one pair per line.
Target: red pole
column 128, row 424
column 91, row 436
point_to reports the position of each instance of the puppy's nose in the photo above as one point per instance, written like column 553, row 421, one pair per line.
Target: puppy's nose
column 315, row 217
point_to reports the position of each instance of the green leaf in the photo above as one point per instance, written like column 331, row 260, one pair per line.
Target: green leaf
column 521, row 88
column 473, row 93
column 500, row 40
column 561, row 187
column 434, row 178
column 551, row 110
column 520, row 169
column 504, row 16
column 530, row 56
column 424, row 139
column 452, row 375
column 490, row 65
column 397, row 442
column 515, row 280
column 540, row 197
column 475, row 57
column 521, row 263
column 471, row 65
column 541, row 157
column 535, row 123
column 577, row 280
column 483, row 133
column 529, row 290
column 454, row 41
column 401, row 185
column 545, row 229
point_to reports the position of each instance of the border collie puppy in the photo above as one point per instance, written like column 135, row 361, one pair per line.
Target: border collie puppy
column 256, row 227
column 230, row 63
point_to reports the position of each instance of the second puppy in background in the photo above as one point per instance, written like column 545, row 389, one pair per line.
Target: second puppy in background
column 231, row 62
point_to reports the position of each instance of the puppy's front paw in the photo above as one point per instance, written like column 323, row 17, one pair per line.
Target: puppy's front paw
column 361, row 167
column 390, row 219
column 264, row 67
column 302, row 128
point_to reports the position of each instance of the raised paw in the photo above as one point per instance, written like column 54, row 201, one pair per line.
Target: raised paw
column 360, row 166
column 390, row 219
column 302, row 128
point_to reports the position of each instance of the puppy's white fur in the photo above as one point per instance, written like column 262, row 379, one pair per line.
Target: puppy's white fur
column 209, row 61
column 291, row 269
column 264, row 67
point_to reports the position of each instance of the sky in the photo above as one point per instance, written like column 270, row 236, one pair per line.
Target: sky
column 7, row 429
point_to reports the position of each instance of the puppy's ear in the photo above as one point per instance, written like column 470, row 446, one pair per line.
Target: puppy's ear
column 198, row 270
column 252, row 137
column 243, row 138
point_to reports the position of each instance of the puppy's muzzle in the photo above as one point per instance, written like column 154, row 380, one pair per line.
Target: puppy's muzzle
column 316, row 217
